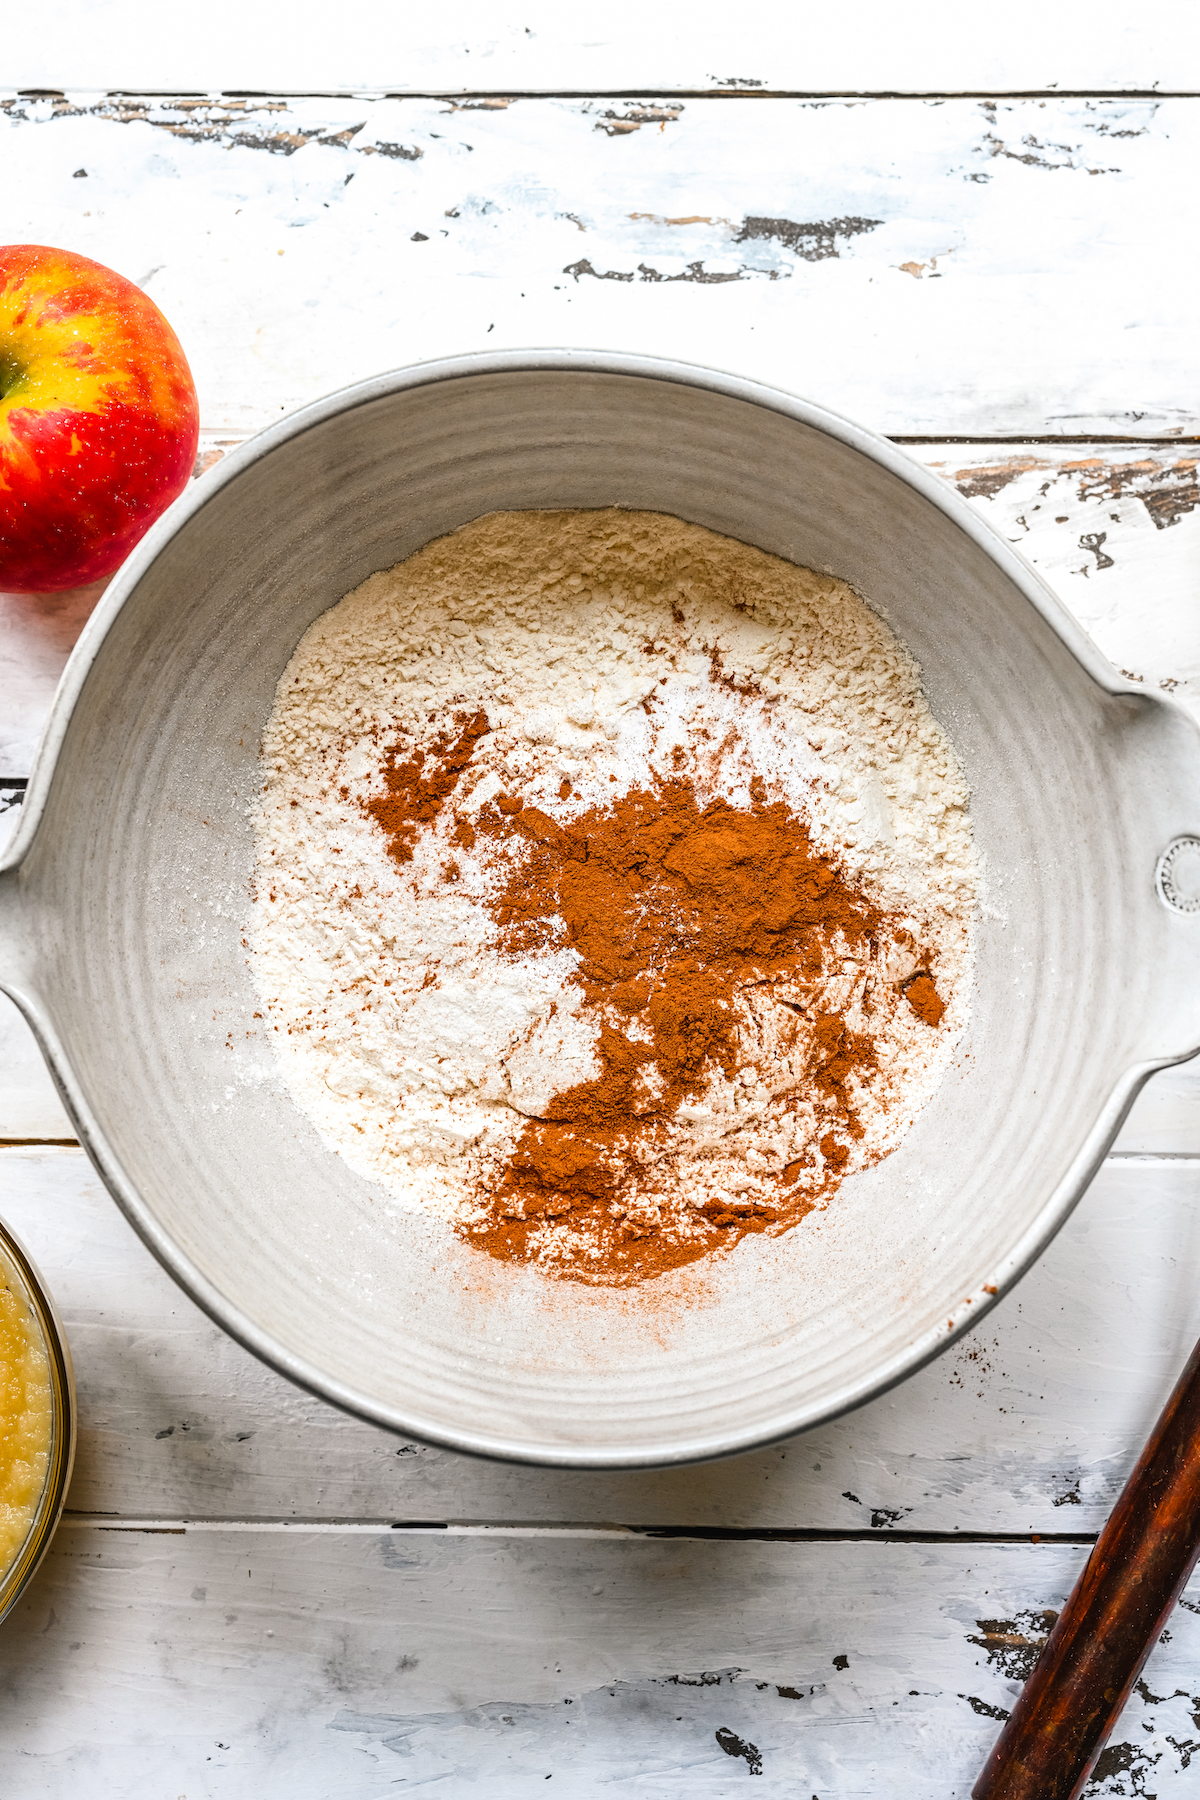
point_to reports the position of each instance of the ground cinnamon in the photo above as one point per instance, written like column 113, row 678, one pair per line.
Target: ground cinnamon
column 675, row 908
column 672, row 907
column 924, row 998
column 412, row 797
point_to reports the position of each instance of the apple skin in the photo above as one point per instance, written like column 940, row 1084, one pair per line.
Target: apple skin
column 98, row 418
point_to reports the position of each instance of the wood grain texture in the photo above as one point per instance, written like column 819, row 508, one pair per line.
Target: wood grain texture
column 943, row 268
column 474, row 44
column 344, row 1664
column 1029, row 1425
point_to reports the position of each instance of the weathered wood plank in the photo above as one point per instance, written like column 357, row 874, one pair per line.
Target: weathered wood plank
column 1029, row 1425
column 949, row 268
column 1165, row 1120
column 37, row 634
column 30, row 1109
column 467, row 44
column 1115, row 530
column 345, row 1663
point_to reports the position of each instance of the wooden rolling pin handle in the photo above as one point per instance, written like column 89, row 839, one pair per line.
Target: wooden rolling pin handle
column 1135, row 1574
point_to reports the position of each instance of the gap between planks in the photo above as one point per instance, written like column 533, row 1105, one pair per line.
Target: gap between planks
column 505, row 95
column 38, row 1143
column 174, row 1527
column 225, row 439
column 1091, row 437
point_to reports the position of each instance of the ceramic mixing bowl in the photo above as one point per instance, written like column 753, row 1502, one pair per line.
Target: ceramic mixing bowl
column 124, row 900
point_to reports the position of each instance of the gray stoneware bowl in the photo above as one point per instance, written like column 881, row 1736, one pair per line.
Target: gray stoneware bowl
column 123, row 900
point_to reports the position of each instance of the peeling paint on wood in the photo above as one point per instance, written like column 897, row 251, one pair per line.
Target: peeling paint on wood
column 694, row 272
column 945, row 269
column 1167, row 488
column 813, row 242
column 1115, row 532
column 1167, row 491
column 343, row 1663
column 1013, row 1646
column 621, row 124
column 224, row 121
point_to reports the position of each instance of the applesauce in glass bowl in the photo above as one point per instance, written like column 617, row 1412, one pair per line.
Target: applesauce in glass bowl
column 37, row 1418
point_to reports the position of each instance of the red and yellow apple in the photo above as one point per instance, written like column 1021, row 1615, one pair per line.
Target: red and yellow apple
column 98, row 418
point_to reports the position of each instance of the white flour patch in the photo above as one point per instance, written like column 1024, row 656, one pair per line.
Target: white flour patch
column 610, row 651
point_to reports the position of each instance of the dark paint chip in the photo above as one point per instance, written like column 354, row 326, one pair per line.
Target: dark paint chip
column 733, row 1745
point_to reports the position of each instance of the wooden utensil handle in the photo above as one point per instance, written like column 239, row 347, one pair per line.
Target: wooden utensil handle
column 1139, row 1567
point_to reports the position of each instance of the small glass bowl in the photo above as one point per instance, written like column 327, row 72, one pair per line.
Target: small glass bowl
column 18, row 1268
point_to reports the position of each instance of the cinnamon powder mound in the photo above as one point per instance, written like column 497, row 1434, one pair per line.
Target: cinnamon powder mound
column 614, row 889
column 924, row 998
column 674, row 907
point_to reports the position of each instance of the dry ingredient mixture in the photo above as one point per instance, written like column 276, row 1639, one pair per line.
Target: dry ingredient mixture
column 614, row 886
column 26, row 1418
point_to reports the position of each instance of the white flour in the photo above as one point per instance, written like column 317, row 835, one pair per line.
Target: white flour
column 609, row 650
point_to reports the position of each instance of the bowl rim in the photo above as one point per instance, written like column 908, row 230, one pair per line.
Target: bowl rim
column 965, row 1313
column 64, row 1419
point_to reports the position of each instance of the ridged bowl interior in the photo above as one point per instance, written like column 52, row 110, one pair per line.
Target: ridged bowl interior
column 133, row 900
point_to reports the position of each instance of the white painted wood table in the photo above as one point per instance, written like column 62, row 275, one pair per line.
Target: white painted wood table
column 252, row 1594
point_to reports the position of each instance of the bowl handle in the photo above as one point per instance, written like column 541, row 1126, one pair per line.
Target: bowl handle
column 1103, row 1635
